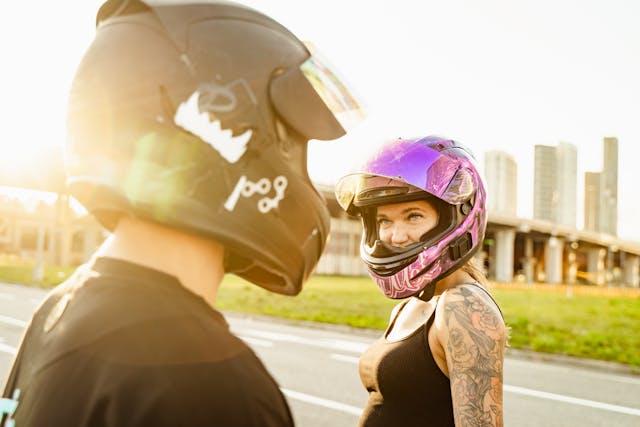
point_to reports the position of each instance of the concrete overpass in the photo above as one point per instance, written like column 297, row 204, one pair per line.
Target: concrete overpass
column 515, row 249
column 536, row 250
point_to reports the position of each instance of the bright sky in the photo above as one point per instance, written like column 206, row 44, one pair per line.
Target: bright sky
column 493, row 74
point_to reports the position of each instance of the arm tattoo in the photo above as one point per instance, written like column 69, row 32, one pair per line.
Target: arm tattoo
column 475, row 355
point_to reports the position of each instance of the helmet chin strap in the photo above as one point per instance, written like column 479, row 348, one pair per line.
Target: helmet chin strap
column 427, row 293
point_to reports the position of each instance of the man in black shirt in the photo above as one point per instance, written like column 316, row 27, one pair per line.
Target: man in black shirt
column 188, row 126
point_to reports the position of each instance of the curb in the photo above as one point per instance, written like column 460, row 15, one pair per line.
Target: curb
column 522, row 354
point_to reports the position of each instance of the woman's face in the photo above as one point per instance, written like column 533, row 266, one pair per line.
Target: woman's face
column 401, row 224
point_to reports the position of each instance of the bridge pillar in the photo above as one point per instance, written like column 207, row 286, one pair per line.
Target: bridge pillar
column 572, row 268
column 528, row 260
column 553, row 259
column 504, row 241
column 631, row 270
column 595, row 265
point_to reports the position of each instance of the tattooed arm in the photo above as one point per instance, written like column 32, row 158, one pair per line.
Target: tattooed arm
column 472, row 333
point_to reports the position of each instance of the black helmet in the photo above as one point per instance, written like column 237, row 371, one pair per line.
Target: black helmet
column 197, row 116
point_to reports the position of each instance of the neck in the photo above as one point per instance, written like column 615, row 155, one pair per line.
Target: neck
column 456, row 278
column 195, row 261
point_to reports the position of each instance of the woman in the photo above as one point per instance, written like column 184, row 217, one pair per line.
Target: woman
column 440, row 361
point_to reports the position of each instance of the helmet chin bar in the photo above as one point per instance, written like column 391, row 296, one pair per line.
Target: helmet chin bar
column 386, row 260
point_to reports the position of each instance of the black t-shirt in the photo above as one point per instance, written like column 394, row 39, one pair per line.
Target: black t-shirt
column 123, row 345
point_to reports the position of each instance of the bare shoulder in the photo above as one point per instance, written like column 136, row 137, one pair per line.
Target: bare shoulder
column 473, row 336
column 475, row 304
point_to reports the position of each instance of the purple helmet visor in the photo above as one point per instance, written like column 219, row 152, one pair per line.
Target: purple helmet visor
column 404, row 167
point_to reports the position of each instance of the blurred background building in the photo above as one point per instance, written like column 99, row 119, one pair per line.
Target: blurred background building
column 554, row 188
column 609, row 187
column 501, row 179
column 547, row 248
column 601, row 192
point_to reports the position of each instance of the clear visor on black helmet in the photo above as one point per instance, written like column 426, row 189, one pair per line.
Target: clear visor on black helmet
column 312, row 99
column 332, row 90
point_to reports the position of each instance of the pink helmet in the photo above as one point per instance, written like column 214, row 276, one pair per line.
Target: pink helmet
column 435, row 169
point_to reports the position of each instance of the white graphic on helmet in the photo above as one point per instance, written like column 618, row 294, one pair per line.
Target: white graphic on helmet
column 189, row 117
column 246, row 188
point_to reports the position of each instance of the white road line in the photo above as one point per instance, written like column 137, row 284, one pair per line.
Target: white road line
column 344, row 358
column 255, row 341
column 342, row 345
column 307, row 398
column 13, row 322
column 580, row 372
column 8, row 349
column 331, row 404
column 8, row 297
column 612, row 377
column 572, row 400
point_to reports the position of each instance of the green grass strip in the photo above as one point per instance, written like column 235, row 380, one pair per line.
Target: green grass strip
column 582, row 321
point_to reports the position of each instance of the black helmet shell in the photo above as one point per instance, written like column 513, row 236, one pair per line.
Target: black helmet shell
column 171, row 118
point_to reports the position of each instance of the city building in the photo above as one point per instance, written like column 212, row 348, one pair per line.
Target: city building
column 566, row 177
column 554, row 188
column 592, row 201
column 501, row 180
column 609, row 187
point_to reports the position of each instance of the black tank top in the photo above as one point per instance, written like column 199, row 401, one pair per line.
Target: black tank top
column 406, row 387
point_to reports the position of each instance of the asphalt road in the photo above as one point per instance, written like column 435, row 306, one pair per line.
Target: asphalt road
column 317, row 371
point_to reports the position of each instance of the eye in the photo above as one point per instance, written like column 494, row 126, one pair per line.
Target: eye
column 383, row 222
column 414, row 216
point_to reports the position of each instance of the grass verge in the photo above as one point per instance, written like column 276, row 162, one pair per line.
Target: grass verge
column 599, row 324
column 16, row 270
column 595, row 323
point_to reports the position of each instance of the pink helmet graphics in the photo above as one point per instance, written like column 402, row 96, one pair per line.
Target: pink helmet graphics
column 435, row 169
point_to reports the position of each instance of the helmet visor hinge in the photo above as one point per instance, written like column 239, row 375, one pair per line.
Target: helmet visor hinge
column 460, row 247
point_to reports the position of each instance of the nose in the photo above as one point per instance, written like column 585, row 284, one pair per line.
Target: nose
column 399, row 236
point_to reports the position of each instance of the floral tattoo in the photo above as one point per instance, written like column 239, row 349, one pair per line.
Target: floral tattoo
column 475, row 356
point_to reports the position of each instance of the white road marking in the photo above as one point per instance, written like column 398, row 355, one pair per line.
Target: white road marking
column 609, row 377
column 580, row 372
column 331, row 404
column 8, row 349
column 13, row 322
column 344, row 358
column 307, row 398
column 360, row 347
column 572, row 400
column 255, row 341
column 343, row 345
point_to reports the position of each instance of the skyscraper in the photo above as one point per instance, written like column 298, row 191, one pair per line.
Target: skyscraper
column 566, row 177
column 545, row 193
column 609, row 187
column 501, row 177
column 554, row 189
column 592, row 201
